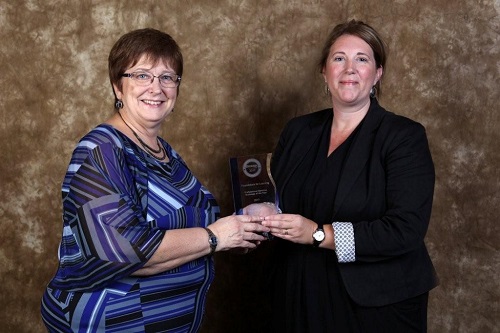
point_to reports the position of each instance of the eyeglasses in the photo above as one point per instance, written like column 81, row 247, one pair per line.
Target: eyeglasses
column 167, row 80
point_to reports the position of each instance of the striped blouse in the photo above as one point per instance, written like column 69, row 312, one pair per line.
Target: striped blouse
column 118, row 202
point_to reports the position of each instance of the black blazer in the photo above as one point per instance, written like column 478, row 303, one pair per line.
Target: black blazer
column 386, row 191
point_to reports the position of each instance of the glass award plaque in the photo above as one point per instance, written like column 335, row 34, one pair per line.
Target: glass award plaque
column 251, row 180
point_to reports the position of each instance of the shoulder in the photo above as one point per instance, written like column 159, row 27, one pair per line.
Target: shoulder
column 100, row 136
column 402, row 127
column 308, row 120
column 392, row 123
column 101, row 140
column 311, row 117
column 400, row 132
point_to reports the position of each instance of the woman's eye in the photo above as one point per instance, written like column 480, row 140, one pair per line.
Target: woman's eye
column 166, row 78
column 142, row 76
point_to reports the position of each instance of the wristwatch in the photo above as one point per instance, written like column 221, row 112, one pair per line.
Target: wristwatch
column 318, row 236
column 212, row 240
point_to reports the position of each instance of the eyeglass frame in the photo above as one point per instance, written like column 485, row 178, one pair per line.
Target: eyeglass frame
column 134, row 74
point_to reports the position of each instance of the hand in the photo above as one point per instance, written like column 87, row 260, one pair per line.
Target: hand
column 292, row 227
column 239, row 231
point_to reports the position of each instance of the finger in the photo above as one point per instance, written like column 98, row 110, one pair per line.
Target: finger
column 280, row 235
column 249, row 245
column 250, row 218
column 252, row 236
column 279, row 217
column 279, row 232
column 276, row 224
column 256, row 227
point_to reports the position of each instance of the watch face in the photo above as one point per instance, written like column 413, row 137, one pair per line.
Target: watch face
column 212, row 240
column 319, row 235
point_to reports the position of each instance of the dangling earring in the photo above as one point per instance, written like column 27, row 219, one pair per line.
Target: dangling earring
column 327, row 90
column 118, row 104
column 373, row 92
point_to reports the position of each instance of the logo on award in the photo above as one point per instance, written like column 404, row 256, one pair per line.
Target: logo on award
column 252, row 167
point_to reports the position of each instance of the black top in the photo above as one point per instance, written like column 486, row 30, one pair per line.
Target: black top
column 312, row 191
column 308, row 283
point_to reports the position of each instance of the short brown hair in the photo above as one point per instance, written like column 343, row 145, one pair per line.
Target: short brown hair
column 156, row 45
column 361, row 30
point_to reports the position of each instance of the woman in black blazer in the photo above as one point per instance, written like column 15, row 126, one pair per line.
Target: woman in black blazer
column 356, row 185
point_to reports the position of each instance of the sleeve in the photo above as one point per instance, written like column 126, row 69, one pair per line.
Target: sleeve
column 106, row 235
column 344, row 241
column 409, row 188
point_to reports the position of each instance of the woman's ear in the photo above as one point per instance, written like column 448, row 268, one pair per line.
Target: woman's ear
column 323, row 73
column 117, row 91
column 380, row 72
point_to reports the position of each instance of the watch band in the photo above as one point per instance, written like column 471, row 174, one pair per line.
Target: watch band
column 212, row 240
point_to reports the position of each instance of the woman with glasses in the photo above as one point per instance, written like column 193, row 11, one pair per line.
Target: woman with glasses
column 139, row 229
column 356, row 187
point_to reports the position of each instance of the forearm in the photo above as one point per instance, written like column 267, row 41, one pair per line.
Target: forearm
column 178, row 247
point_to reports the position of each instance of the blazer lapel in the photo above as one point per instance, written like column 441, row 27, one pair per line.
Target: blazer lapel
column 359, row 153
column 309, row 137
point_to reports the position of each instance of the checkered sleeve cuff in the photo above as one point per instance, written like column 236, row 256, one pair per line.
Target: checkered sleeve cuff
column 344, row 241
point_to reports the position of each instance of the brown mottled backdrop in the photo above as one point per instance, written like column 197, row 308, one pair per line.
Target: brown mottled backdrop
column 250, row 68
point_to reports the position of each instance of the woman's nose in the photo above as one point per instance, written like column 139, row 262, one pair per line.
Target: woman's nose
column 349, row 66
